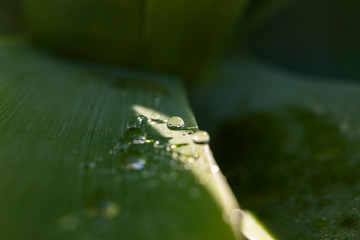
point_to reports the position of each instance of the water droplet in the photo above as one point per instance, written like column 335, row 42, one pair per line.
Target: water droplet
column 134, row 160
column 201, row 137
column 214, row 168
column 160, row 144
column 187, row 166
column 135, row 136
column 175, row 155
column 103, row 208
column 89, row 165
column 142, row 119
column 132, row 124
column 175, row 123
column 155, row 117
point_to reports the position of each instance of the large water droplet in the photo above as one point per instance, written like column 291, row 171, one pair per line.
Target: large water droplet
column 142, row 119
column 175, row 123
column 134, row 160
column 201, row 137
column 155, row 117
column 135, row 136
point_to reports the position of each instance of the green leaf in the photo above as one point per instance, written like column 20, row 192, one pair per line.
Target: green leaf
column 64, row 170
column 288, row 145
column 177, row 36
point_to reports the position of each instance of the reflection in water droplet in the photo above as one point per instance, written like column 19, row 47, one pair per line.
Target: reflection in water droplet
column 214, row 168
column 175, row 123
column 135, row 136
column 68, row 223
column 134, row 160
column 103, row 208
column 155, row 117
column 201, row 137
column 142, row 119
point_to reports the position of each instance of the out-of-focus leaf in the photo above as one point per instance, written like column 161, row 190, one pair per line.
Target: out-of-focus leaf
column 11, row 19
column 177, row 36
column 314, row 37
column 289, row 146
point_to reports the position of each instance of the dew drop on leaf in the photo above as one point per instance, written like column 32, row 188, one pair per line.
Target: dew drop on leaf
column 103, row 208
column 201, row 137
column 131, row 124
column 89, row 165
column 142, row 119
column 135, row 136
column 214, row 168
column 175, row 123
column 160, row 144
column 155, row 116
column 134, row 160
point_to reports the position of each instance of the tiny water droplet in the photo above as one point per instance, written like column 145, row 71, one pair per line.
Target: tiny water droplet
column 214, row 168
column 160, row 144
column 142, row 119
column 135, row 136
column 175, row 123
column 175, row 155
column 201, row 137
column 131, row 124
column 134, row 160
column 187, row 166
column 155, row 117
column 89, row 165
column 103, row 208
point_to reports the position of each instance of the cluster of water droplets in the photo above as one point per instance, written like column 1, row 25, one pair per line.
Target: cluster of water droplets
column 141, row 142
column 142, row 153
